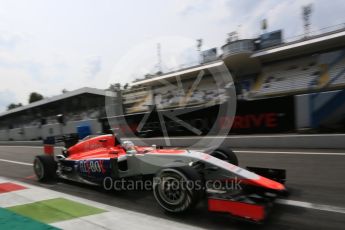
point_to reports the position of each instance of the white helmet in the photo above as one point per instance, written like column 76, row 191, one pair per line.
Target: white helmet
column 129, row 146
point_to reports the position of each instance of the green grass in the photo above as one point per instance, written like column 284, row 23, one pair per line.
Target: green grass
column 53, row 210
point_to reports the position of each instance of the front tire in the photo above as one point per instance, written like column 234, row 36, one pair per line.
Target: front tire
column 45, row 167
column 178, row 189
column 225, row 155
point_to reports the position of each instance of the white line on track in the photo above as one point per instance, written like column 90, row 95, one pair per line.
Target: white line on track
column 24, row 146
column 248, row 136
column 16, row 162
column 308, row 205
column 21, row 146
column 290, row 152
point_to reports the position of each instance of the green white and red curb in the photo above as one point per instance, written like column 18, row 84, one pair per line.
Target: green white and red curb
column 34, row 207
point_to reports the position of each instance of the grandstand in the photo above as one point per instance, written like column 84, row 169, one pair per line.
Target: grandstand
column 306, row 65
column 174, row 90
column 261, row 68
column 38, row 119
column 300, row 75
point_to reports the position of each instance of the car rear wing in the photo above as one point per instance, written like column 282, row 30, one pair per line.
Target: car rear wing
column 68, row 140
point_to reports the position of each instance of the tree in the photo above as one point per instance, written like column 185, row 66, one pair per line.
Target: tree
column 35, row 97
column 115, row 87
column 13, row 106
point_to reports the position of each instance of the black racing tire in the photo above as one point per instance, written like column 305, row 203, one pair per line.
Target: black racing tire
column 178, row 189
column 45, row 167
column 225, row 155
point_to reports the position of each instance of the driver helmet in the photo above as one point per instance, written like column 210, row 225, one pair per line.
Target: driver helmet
column 129, row 147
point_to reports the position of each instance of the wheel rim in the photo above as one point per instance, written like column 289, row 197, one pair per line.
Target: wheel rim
column 38, row 168
column 171, row 191
column 178, row 201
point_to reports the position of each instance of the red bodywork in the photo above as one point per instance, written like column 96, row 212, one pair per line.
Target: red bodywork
column 103, row 147
column 254, row 212
column 96, row 148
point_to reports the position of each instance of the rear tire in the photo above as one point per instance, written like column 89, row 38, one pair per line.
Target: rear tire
column 45, row 167
column 225, row 155
column 178, row 189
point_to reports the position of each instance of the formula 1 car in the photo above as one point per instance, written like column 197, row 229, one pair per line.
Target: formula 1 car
column 181, row 178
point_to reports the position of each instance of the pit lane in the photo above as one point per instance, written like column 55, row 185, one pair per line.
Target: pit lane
column 314, row 176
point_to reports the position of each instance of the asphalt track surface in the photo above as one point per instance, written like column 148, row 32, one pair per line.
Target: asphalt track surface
column 316, row 179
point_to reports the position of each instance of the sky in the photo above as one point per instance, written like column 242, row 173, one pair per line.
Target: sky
column 47, row 46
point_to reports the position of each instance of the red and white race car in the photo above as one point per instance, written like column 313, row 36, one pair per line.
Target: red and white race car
column 181, row 177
